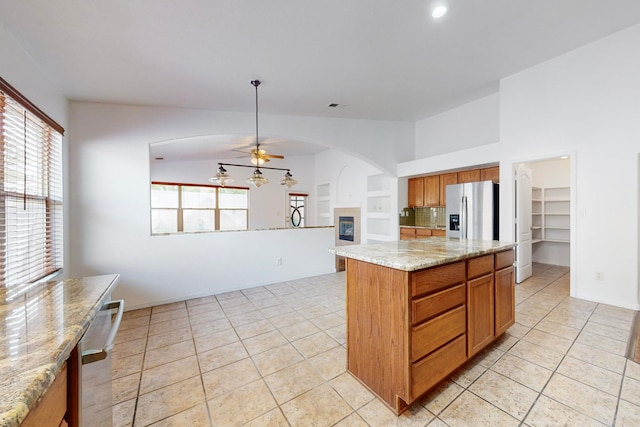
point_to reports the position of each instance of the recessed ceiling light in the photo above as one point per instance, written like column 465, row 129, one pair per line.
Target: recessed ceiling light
column 439, row 11
column 564, row 157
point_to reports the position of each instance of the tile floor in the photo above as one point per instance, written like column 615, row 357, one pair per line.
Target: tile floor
column 275, row 356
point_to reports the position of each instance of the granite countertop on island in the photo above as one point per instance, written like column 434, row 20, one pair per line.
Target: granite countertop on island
column 411, row 255
column 41, row 326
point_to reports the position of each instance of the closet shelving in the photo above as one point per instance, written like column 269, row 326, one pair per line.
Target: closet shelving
column 551, row 214
column 378, row 214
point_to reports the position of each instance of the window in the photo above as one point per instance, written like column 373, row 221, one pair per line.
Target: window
column 297, row 202
column 31, row 238
column 189, row 208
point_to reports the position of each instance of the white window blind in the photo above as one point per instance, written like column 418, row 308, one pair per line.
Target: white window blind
column 31, row 239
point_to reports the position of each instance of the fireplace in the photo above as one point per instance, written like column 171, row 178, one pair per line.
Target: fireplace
column 346, row 228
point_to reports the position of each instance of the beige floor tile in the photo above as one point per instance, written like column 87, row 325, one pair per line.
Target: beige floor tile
column 292, row 381
column 221, row 356
column 133, row 322
column 612, row 321
column 244, row 317
column 376, row 414
column 547, row 412
column 467, row 374
column 544, row 339
column 632, row 370
column 508, row 395
column 229, row 377
column 607, row 331
column 273, row 418
column 215, row 340
column 534, row 353
column 350, row 389
column 299, row 330
column 136, row 313
column 131, row 334
column 167, row 354
column 210, row 327
column 615, row 312
column 276, row 310
column 164, row 316
column 286, row 319
column 628, row 415
column 241, row 309
column 241, row 405
column 129, row 348
column 603, row 343
column 597, row 357
column 631, row 390
column 168, row 307
column 488, row 356
column 563, row 331
column 235, row 301
column 125, row 388
column 256, row 328
column 168, row 325
column 168, row 401
column 264, row 342
column 592, row 375
column 276, row 359
column 169, row 373
column 524, row 372
column 505, row 342
column 314, row 311
column 209, row 300
column 328, row 321
column 330, row 363
column 567, row 320
column 263, row 303
column 470, row 410
column 168, row 338
column 314, row 344
column 122, row 367
column 527, row 319
column 123, row 413
column 196, row 416
column 206, row 316
column 353, row 420
column 338, row 333
column 581, row 397
column 441, row 396
column 321, row 406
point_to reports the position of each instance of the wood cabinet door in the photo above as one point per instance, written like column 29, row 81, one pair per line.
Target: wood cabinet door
column 473, row 175
column 416, row 192
column 432, row 190
column 480, row 313
column 490, row 174
column 504, row 300
column 446, row 179
column 407, row 233
column 423, row 232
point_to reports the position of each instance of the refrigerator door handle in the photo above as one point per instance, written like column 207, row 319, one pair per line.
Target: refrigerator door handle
column 94, row 355
column 463, row 218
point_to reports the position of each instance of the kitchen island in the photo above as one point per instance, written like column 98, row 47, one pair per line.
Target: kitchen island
column 41, row 328
column 417, row 310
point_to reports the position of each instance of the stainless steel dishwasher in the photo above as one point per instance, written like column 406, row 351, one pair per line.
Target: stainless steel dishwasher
column 95, row 374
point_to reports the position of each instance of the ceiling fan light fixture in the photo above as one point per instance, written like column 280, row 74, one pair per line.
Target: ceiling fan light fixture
column 288, row 180
column 439, row 11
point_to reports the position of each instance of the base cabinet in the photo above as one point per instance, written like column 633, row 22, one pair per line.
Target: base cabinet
column 407, row 331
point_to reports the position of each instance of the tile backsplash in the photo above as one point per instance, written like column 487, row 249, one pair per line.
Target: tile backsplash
column 423, row 217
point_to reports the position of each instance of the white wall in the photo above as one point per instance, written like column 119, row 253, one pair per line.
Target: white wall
column 269, row 204
column 25, row 76
column 470, row 125
column 584, row 104
column 109, row 162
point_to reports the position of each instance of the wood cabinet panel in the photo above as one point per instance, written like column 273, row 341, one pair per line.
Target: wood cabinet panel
column 430, row 306
column 432, row 190
column 472, row 175
column 480, row 300
column 490, row 174
column 436, row 332
column 378, row 324
column 416, row 192
column 437, row 366
column 505, row 306
column 446, row 179
column 504, row 259
column 440, row 233
column 479, row 266
column 423, row 232
column 437, row 278
column 407, row 233
column 53, row 405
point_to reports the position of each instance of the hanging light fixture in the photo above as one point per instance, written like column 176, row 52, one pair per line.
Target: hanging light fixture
column 223, row 178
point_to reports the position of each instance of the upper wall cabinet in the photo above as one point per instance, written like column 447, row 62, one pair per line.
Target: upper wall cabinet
column 432, row 190
column 446, row 179
column 472, row 175
column 490, row 174
column 416, row 189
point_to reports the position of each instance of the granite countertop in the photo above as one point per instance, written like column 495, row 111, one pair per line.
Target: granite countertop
column 411, row 255
column 40, row 329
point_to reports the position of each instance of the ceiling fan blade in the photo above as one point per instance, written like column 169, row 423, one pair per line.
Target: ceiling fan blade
column 274, row 156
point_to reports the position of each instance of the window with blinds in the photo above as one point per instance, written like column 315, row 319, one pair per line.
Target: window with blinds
column 31, row 240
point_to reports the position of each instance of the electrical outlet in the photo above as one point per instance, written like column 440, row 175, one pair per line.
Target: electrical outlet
column 278, row 261
column 599, row 275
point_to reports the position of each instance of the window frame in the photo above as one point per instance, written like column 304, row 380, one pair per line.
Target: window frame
column 180, row 209
column 290, row 207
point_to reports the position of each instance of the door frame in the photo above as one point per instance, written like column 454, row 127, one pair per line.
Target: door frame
column 573, row 221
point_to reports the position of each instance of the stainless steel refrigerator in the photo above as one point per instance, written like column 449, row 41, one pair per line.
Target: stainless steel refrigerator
column 472, row 211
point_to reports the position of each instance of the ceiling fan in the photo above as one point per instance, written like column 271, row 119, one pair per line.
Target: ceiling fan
column 257, row 154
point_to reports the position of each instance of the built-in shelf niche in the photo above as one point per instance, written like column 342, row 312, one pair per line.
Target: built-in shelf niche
column 551, row 214
column 323, row 192
column 378, row 210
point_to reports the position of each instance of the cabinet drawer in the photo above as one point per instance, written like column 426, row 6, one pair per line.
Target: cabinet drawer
column 423, row 232
column 432, row 334
column 480, row 266
column 504, row 259
column 441, row 233
column 437, row 278
column 407, row 233
column 427, row 307
column 51, row 408
column 437, row 366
